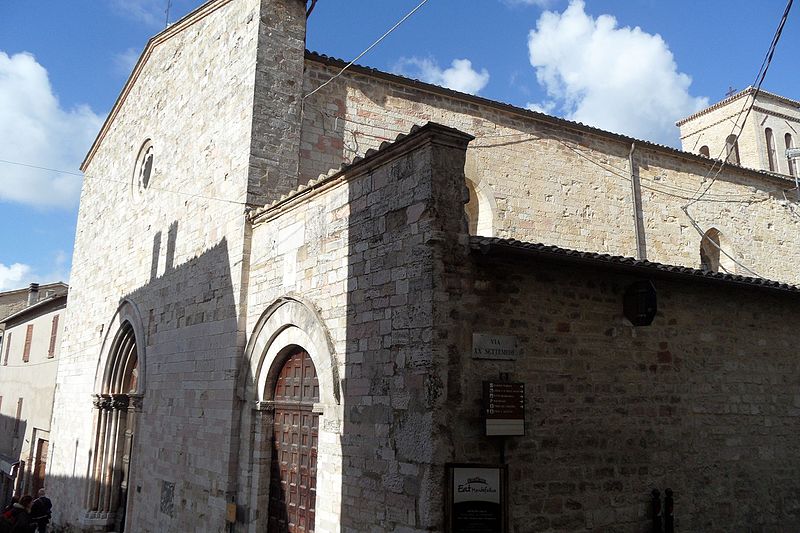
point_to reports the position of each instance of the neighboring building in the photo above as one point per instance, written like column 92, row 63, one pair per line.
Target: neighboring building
column 15, row 300
column 772, row 127
column 278, row 323
column 28, row 363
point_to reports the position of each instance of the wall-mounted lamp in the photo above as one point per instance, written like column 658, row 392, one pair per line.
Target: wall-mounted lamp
column 639, row 304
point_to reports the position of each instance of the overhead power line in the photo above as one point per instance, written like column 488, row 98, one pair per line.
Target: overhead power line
column 370, row 47
column 759, row 79
column 123, row 182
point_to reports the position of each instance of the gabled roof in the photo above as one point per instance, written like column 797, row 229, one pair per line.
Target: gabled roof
column 212, row 5
column 53, row 301
column 43, row 287
column 371, row 157
column 746, row 92
column 193, row 17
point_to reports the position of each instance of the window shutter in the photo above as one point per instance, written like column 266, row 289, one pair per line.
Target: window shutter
column 51, row 352
column 8, row 348
column 26, row 352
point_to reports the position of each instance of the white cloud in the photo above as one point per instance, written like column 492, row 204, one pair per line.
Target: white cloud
column 460, row 76
column 150, row 12
column 12, row 277
column 616, row 78
column 35, row 130
column 538, row 3
column 125, row 61
column 542, row 107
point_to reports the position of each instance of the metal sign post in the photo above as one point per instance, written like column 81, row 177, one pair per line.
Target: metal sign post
column 793, row 154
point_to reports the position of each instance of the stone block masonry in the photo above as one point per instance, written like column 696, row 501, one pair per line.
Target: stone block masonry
column 558, row 182
column 173, row 252
column 360, row 247
column 703, row 401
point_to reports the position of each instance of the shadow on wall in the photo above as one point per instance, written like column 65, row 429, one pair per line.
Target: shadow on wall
column 405, row 216
column 164, row 397
column 12, row 442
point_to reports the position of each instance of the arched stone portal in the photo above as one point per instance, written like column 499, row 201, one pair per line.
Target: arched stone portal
column 119, row 387
column 290, row 336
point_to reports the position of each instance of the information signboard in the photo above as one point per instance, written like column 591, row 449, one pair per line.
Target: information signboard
column 504, row 406
column 477, row 498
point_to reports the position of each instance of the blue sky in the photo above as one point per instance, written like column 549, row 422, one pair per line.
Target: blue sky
column 632, row 66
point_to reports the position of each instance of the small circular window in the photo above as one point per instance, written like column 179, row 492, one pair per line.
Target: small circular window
column 143, row 171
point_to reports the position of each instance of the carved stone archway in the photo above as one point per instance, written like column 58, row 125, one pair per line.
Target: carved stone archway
column 117, row 400
column 287, row 327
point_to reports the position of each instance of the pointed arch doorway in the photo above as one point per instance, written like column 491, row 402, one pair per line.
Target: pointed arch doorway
column 117, row 404
column 295, row 432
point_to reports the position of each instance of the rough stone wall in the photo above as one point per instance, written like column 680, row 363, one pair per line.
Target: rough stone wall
column 174, row 250
column 564, row 186
column 363, row 252
column 703, row 401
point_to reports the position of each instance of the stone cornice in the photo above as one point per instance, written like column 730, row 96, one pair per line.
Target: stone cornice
column 740, row 94
column 418, row 136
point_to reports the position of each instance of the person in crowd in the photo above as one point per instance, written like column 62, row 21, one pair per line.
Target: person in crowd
column 10, row 505
column 41, row 510
column 18, row 519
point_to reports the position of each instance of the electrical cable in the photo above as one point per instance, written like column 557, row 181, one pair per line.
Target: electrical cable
column 93, row 177
column 373, row 45
column 689, row 193
column 699, row 230
column 759, row 79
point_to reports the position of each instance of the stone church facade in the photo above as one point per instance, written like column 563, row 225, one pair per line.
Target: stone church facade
column 273, row 314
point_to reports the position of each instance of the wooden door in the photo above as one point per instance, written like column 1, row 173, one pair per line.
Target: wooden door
column 293, row 475
column 40, row 466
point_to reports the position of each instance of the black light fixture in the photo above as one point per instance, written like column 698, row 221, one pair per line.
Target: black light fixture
column 639, row 304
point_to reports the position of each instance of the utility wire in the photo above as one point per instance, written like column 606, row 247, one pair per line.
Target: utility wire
column 699, row 230
column 688, row 194
column 373, row 45
column 99, row 178
column 759, row 79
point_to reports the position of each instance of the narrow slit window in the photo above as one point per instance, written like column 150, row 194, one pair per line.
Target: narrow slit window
column 771, row 155
column 732, row 149
column 789, row 143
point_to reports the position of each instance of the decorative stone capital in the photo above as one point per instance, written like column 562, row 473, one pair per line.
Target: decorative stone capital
column 135, row 402
column 120, row 402
column 102, row 401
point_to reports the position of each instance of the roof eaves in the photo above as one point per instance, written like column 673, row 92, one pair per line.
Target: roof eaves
column 745, row 92
column 488, row 245
column 41, row 303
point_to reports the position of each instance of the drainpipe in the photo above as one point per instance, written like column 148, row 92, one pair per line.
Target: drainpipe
column 636, row 196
